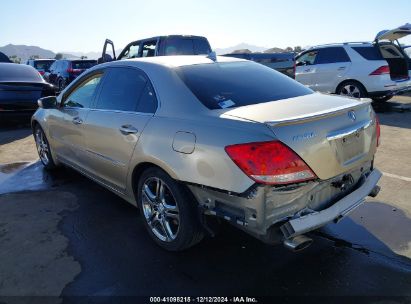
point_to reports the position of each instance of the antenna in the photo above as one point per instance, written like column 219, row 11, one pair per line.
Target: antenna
column 212, row 55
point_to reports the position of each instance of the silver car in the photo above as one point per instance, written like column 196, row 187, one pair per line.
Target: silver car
column 196, row 140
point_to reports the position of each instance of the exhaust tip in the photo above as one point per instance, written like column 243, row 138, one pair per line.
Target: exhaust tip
column 297, row 243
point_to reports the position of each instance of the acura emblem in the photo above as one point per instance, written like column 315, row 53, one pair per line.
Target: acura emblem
column 352, row 116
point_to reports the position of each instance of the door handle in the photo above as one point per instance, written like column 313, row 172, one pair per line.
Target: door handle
column 307, row 70
column 341, row 68
column 77, row 121
column 128, row 129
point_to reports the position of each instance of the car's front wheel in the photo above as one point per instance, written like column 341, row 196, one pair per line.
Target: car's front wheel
column 169, row 211
column 352, row 89
column 43, row 148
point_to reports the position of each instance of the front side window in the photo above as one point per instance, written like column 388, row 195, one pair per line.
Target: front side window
column 201, row 47
column 131, row 52
column 82, row 96
column 124, row 89
column 149, row 48
column 236, row 84
column 332, row 55
column 307, row 58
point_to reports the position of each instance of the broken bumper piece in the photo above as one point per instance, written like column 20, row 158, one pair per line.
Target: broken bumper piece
column 341, row 208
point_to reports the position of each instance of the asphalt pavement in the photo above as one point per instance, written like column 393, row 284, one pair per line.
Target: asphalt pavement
column 63, row 235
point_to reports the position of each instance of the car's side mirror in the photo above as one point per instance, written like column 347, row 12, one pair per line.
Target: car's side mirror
column 49, row 102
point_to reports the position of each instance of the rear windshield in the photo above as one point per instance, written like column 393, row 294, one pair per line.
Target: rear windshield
column 13, row 72
column 368, row 52
column 43, row 64
column 237, row 84
column 83, row 65
column 186, row 46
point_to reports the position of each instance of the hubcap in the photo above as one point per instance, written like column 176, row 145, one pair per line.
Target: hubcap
column 42, row 147
column 160, row 209
column 351, row 91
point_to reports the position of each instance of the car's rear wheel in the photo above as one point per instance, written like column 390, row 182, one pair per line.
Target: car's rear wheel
column 352, row 89
column 61, row 84
column 43, row 148
column 169, row 211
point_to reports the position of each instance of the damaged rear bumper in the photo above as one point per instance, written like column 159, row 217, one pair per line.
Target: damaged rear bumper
column 340, row 209
column 273, row 214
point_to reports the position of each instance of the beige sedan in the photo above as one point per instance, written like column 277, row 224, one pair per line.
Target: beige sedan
column 195, row 140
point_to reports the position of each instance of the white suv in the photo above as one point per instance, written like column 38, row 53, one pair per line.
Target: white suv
column 376, row 69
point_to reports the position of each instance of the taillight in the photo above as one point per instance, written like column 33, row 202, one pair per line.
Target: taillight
column 270, row 162
column 385, row 69
column 41, row 73
column 377, row 129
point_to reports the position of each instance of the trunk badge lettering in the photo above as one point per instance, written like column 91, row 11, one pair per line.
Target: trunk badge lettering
column 305, row 136
column 352, row 116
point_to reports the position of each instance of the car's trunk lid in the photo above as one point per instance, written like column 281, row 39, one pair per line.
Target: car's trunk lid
column 20, row 96
column 331, row 134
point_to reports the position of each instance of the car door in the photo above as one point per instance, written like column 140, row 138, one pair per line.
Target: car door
column 332, row 64
column 125, row 104
column 74, row 107
column 305, row 68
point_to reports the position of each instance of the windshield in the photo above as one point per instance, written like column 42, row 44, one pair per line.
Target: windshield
column 82, row 65
column 43, row 64
column 236, row 84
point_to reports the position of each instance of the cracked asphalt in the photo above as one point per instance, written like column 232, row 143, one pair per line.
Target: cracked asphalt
column 63, row 235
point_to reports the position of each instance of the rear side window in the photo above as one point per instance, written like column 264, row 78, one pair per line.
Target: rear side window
column 201, row 47
column 237, row 84
column 368, row 52
column 332, row 55
column 82, row 65
column 124, row 89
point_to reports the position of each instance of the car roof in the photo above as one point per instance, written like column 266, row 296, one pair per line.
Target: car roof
column 363, row 43
column 174, row 61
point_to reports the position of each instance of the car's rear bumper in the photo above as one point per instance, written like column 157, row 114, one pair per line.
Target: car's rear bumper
column 262, row 210
column 312, row 221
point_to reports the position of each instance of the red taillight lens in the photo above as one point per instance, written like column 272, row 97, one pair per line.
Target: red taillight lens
column 270, row 162
column 385, row 69
column 41, row 73
column 377, row 129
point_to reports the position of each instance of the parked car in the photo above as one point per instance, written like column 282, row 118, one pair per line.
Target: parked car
column 41, row 65
column 282, row 62
column 4, row 58
column 376, row 69
column 20, row 88
column 63, row 72
column 159, row 46
column 192, row 138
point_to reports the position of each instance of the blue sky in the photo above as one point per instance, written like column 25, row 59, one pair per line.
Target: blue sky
column 73, row 25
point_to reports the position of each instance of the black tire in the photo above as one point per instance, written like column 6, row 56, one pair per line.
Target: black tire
column 43, row 148
column 61, row 84
column 189, row 231
column 352, row 89
column 382, row 99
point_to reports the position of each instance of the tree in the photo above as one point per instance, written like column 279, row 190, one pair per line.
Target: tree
column 34, row 57
column 83, row 57
column 297, row 49
column 288, row 49
column 58, row 56
column 15, row 59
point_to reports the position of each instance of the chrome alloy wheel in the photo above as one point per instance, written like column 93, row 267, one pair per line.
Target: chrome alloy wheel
column 42, row 146
column 351, row 91
column 160, row 209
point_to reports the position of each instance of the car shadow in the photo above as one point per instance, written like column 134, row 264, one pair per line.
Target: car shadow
column 13, row 133
column 108, row 238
